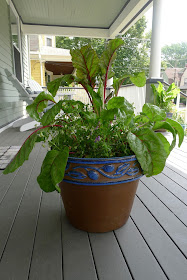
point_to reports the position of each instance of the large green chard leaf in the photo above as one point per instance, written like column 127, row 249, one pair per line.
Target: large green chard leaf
column 123, row 107
column 139, row 79
column 166, row 125
column 50, row 115
column 62, row 81
column 86, row 61
column 107, row 58
column 117, row 83
column 88, row 116
column 165, row 142
column 149, row 150
column 100, row 90
column 141, row 119
column 178, row 129
column 52, row 170
column 108, row 115
column 38, row 105
column 96, row 99
column 120, row 103
column 153, row 112
column 23, row 154
column 109, row 54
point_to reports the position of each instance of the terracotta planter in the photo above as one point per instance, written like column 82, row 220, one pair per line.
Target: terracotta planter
column 98, row 193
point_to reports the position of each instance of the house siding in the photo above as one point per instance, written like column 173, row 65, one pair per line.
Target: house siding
column 184, row 76
column 36, row 71
column 11, row 106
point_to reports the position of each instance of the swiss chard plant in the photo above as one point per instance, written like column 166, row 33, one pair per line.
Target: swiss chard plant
column 106, row 128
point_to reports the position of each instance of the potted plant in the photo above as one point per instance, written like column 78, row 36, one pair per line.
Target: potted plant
column 97, row 153
column 163, row 98
column 177, row 116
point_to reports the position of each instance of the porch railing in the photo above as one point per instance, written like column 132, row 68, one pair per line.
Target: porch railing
column 133, row 94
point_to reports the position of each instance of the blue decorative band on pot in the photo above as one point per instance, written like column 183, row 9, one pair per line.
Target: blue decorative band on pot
column 169, row 115
column 102, row 171
column 101, row 160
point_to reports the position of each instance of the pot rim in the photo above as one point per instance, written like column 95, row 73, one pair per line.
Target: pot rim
column 109, row 160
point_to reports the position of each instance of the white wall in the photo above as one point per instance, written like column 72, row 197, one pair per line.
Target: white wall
column 135, row 95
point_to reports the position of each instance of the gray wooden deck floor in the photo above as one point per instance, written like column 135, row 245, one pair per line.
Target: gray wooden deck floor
column 37, row 242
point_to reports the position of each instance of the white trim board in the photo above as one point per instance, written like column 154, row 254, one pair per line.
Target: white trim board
column 31, row 29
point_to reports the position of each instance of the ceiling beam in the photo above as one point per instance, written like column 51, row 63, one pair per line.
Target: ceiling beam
column 65, row 31
column 128, row 16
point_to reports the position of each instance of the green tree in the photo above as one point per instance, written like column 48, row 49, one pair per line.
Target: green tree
column 78, row 42
column 132, row 57
column 175, row 55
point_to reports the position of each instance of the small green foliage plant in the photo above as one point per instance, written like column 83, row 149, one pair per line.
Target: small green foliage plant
column 107, row 128
column 163, row 98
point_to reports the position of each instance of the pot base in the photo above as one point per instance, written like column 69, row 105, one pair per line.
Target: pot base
column 98, row 208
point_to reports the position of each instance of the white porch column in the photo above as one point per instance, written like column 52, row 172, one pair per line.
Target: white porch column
column 178, row 101
column 155, row 57
column 41, row 70
column 41, row 73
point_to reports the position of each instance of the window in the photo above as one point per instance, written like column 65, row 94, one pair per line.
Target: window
column 16, row 45
column 49, row 42
column 34, row 43
column 185, row 81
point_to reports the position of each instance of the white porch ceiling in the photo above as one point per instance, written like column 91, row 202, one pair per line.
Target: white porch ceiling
column 89, row 18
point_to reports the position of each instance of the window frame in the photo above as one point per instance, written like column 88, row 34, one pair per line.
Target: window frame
column 14, row 47
column 49, row 38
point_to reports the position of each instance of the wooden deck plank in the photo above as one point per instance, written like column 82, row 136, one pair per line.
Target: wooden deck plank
column 9, row 137
column 5, row 183
column 179, row 151
column 172, row 202
column 165, row 217
column 10, row 204
column 78, row 262
column 140, row 259
column 4, row 135
column 176, row 169
column 182, row 157
column 173, row 187
column 177, row 178
column 183, row 147
column 47, row 255
column 169, row 257
column 176, row 162
column 15, row 262
column 13, row 137
column 108, row 257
